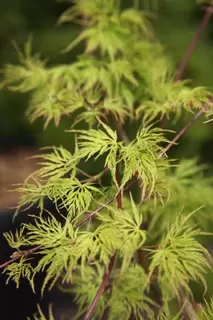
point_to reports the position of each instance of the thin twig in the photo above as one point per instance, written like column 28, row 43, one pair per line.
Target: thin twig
column 18, row 254
column 124, row 137
column 93, row 213
column 101, row 289
column 193, row 42
column 96, row 177
column 143, row 260
column 7, row 263
column 121, row 132
column 90, row 215
column 185, row 128
column 112, row 259
column 154, row 287
column 182, row 131
column 119, row 195
column 190, row 49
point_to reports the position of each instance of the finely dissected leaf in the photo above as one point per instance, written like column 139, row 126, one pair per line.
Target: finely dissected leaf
column 117, row 108
column 123, row 68
column 57, row 164
column 29, row 75
column 61, row 249
column 18, row 270
column 40, row 315
column 77, row 196
column 93, row 113
column 69, row 192
column 108, row 30
column 85, row 290
column 92, row 8
column 15, row 240
column 107, row 37
column 124, row 229
column 30, row 194
column 141, row 157
column 127, row 296
column 205, row 312
column 165, row 96
column 180, row 258
column 53, row 102
column 189, row 188
column 165, row 313
column 133, row 17
column 95, row 143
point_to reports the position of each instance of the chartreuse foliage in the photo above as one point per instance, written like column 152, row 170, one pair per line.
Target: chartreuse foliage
column 177, row 256
column 125, row 291
column 40, row 316
column 122, row 74
column 206, row 313
column 189, row 187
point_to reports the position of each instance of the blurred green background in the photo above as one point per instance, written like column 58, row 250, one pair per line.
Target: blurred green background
column 175, row 22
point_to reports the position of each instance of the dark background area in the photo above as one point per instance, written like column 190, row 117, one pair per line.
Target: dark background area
column 174, row 22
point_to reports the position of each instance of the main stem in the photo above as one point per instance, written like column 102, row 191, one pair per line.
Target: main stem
column 112, row 259
column 101, row 289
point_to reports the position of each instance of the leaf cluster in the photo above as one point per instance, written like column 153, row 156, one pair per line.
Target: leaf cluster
column 180, row 258
column 189, row 188
column 127, row 74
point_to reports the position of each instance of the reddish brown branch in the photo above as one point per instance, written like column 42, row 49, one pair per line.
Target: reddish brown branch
column 101, row 289
column 7, row 263
column 17, row 255
column 194, row 41
column 143, row 260
column 190, row 49
column 112, row 259
column 90, row 215
column 121, row 132
column 96, row 177
column 153, row 286
column 179, row 134
column 106, row 170
column 119, row 195
column 185, row 128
